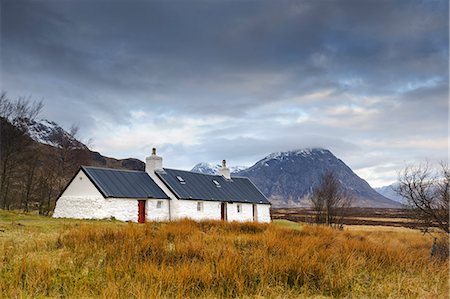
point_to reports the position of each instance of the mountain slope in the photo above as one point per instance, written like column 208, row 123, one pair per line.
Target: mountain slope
column 288, row 178
column 389, row 192
column 50, row 133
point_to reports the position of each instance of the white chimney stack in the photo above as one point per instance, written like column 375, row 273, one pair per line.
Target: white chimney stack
column 153, row 162
column 225, row 171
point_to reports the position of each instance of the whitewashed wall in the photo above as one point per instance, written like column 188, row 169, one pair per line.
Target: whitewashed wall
column 153, row 213
column 188, row 209
column 211, row 211
column 80, row 207
column 81, row 199
column 246, row 213
column 123, row 209
column 81, row 186
column 263, row 213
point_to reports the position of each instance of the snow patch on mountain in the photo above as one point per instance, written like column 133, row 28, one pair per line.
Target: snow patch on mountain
column 390, row 192
column 282, row 156
column 213, row 168
column 50, row 133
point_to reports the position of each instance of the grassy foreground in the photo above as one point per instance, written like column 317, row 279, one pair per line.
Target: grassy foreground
column 42, row 257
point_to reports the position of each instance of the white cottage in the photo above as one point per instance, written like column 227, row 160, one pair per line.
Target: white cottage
column 161, row 194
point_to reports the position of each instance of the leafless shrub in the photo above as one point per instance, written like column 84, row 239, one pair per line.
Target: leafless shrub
column 427, row 193
column 330, row 201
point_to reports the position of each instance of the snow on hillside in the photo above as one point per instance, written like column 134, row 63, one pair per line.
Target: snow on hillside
column 50, row 133
column 280, row 156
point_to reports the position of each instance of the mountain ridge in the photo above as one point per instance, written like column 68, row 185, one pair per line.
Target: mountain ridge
column 288, row 178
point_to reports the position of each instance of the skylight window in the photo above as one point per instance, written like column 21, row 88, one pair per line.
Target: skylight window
column 216, row 183
column 181, row 180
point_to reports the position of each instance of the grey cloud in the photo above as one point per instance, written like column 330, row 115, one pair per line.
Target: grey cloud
column 254, row 63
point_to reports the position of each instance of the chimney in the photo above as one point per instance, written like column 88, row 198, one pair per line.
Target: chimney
column 225, row 171
column 153, row 162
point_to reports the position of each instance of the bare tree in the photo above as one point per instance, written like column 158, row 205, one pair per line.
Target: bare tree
column 14, row 141
column 427, row 193
column 329, row 200
column 70, row 155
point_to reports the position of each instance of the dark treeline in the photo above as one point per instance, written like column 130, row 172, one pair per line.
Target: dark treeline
column 32, row 175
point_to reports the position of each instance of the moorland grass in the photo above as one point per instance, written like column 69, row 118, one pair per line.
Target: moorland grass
column 44, row 257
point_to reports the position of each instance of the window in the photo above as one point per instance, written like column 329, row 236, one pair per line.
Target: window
column 159, row 204
column 181, row 180
column 239, row 207
column 199, row 206
column 216, row 183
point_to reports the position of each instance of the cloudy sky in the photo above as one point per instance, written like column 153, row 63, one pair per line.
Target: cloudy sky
column 207, row 80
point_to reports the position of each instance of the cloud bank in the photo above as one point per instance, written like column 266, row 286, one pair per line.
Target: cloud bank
column 207, row 80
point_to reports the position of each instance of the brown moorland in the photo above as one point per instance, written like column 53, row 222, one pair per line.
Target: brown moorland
column 43, row 257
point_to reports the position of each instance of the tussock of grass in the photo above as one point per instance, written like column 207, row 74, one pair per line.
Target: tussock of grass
column 215, row 259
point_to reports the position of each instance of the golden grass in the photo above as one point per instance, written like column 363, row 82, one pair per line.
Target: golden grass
column 82, row 259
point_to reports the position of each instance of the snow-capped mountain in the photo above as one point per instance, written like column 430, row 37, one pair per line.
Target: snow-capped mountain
column 389, row 192
column 213, row 168
column 50, row 133
column 288, row 178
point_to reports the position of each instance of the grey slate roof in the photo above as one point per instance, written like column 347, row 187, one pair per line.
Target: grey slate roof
column 123, row 183
column 198, row 186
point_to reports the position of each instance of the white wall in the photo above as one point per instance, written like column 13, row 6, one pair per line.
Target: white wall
column 188, row 209
column 173, row 199
column 81, row 186
column 211, row 211
column 263, row 213
column 246, row 213
column 124, row 209
column 153, row 213
column 80, row 207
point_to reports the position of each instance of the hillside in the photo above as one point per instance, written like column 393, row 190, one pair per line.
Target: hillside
column 389, row 192
column 49, row 134
column 288, row 178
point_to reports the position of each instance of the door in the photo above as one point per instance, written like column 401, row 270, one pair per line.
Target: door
column 255, row 213
column 141, row 211
column 223, row 211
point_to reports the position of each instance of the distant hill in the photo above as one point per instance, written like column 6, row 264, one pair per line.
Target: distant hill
column 288, row 178
column 389, row 192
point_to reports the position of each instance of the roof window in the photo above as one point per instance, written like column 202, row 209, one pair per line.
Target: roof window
column 181, row 180
column 216, row 183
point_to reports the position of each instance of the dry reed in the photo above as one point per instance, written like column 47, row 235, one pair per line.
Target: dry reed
column 215, row 260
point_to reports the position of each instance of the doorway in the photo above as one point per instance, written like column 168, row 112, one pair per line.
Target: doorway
column 141, row 211
column 223, row 211
column 255, row 212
